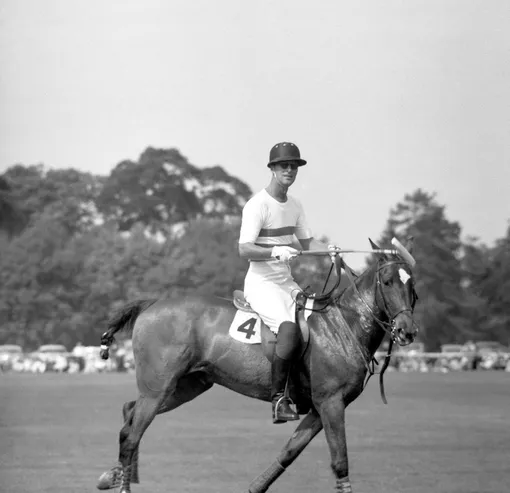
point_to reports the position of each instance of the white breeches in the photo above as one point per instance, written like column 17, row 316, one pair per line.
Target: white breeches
column 274, row 298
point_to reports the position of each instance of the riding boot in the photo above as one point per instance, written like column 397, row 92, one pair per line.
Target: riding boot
column 282, row 411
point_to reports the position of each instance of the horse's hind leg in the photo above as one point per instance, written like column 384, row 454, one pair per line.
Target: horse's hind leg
column 127, row 410
column 112, row 478
column 303, row 435
column 187, row 388
column 139, row 419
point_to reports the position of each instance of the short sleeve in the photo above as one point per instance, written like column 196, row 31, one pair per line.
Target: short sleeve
column 251, row 222
column 303, row 232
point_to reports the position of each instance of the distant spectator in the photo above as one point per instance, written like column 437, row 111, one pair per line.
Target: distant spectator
column 471, row 355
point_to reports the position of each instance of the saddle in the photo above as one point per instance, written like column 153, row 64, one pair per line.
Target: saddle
column 267, row 335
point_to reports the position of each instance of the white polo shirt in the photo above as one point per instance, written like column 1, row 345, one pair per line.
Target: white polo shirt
column 267, row 222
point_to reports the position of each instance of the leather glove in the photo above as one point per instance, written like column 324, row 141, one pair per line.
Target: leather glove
column 284, row 253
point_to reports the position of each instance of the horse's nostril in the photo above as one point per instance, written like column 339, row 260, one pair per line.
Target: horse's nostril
column 405, row 335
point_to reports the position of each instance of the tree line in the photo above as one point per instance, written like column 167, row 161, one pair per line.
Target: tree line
column 76, row 246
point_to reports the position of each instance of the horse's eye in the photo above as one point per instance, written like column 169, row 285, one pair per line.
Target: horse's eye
column 387, row 281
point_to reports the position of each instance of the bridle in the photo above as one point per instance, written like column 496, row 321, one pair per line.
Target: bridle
column 389, row 327
column 324, row 301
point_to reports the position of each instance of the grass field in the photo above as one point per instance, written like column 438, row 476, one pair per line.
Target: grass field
column 439, row 433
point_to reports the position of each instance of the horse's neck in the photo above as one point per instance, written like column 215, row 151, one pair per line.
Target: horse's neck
column 359, row 308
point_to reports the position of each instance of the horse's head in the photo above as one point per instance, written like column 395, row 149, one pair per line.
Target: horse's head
column 396, row 296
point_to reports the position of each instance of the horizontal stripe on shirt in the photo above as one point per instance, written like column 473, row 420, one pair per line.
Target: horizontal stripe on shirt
column 269, row 232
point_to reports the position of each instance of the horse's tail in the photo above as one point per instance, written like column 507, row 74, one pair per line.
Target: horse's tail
column 124, row 319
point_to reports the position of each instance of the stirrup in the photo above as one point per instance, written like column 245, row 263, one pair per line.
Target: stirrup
column 288, row 415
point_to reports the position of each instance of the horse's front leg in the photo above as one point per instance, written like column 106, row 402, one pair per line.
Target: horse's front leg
column 307, row 429
column 332, row 413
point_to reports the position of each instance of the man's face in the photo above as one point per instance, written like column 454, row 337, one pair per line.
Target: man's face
column 286, row 172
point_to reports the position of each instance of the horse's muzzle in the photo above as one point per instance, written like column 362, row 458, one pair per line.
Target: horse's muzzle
column 402, row 338
column 404, row 330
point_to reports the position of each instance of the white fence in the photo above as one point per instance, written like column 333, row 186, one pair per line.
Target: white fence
column 122, row 360
column 422, row 361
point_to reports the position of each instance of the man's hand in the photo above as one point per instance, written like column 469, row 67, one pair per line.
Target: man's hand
column 284, row 253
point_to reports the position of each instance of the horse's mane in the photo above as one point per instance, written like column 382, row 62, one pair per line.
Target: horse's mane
column 334, row 295
column 361, row 277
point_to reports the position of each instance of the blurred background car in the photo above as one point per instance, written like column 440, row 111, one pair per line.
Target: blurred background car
column 451, row 348
column 454, row 358
column 487, row 355
column 492, row 355
column 54, row 356
column 9, row 354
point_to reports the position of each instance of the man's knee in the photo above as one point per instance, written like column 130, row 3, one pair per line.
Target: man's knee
column 287, row 340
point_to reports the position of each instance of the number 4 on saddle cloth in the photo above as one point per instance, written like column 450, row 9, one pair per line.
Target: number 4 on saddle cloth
column 249, row 328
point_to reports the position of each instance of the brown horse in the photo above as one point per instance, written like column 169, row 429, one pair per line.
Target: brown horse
column 182, row 348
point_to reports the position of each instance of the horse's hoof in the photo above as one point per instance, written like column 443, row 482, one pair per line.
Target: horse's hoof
column 110, row 479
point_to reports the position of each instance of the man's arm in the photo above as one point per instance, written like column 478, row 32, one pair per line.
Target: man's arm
column 251, row 224
column 284, row 253
column 250, row 251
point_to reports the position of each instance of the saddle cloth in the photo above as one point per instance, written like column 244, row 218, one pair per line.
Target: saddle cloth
column 247, row 325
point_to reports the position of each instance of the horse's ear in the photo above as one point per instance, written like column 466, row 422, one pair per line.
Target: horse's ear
column 374, row 246
column 410, row 244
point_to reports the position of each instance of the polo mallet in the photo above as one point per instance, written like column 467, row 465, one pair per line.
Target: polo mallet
column 398, row 250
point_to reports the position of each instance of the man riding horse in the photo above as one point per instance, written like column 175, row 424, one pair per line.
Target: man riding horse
column 271, row 220
column 182, row 346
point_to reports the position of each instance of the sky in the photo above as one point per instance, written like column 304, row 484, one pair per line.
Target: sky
column 381, row 97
